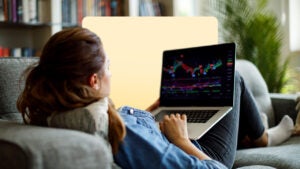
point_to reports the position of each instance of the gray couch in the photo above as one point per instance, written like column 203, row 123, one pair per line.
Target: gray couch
column 32, row 147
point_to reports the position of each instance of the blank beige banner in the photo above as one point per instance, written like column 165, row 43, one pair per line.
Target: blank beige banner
column 135, row 45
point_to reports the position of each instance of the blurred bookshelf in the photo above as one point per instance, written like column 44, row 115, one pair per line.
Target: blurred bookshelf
column 26, row 25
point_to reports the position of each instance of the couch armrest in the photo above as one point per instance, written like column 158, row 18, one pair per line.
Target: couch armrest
column 284, row 104
column 43, row 147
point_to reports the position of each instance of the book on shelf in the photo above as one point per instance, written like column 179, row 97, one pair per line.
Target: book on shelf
column 44, row 14
column 149, row 8
column 76, row 10
column 73, row 11
column 4, row 52
column 13, row 11
column 28, row 52
column 116, row 7
column 1, row 10
column 17, row 52
column 32, row 11
column 69, row 9
column 19, row 11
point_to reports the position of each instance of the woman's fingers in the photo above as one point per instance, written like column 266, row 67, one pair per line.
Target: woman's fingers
column 174, row 126
column 183, row 117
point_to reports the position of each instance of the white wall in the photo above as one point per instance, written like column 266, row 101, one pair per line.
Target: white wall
column 281, row 10
column 294, row 15
column 287, row 12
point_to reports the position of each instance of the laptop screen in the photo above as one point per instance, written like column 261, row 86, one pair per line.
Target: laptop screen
column 198, row 76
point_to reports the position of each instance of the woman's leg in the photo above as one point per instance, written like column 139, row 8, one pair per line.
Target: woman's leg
column 242, row 127
column 252, row 131
column 220, row 143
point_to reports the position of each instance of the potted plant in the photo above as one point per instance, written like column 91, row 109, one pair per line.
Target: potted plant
column 258, row 36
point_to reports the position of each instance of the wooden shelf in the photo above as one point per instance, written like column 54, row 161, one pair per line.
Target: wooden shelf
column 50, row 20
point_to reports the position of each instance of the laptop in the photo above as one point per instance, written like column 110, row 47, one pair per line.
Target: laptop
column 198, row 82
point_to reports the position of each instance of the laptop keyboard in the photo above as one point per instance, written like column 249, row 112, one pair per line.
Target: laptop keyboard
column 193, row 116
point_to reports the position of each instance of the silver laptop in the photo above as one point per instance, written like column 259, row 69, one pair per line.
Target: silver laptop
column 198, row 82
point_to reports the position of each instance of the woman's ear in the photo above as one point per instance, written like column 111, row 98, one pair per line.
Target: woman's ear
column 94, row 81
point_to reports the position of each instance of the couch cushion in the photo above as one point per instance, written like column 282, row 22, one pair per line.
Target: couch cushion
column 48, row 148
column 92, row 119
column 284, row 156
column 10, row 86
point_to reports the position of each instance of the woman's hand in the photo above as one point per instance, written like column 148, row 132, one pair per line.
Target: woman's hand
column 153, row 106
column 174, row 127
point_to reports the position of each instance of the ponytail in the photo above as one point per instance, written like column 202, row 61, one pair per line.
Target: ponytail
column 116, row 129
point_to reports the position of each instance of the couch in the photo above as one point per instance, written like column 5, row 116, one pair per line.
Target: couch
column 33, row 147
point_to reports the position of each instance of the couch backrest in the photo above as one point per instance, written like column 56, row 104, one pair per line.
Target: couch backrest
column 257, row 86
column 10, row 85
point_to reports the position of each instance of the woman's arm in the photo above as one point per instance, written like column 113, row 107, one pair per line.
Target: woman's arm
column 175, row 129
column 153, row 106
column 145, row 146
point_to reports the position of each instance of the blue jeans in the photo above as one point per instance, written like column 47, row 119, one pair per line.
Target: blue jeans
column 221, row 142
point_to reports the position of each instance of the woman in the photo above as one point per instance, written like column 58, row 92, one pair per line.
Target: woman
column 73, row 73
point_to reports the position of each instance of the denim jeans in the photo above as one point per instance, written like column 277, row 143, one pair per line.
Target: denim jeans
column 221, row 142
